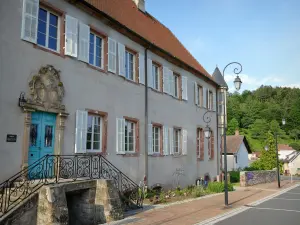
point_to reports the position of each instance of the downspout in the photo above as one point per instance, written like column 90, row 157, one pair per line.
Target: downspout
column 146, row 119
column 218, row 146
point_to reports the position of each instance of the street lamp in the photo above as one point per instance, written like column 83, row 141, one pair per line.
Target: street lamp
column 237, row 83
column 207, row 119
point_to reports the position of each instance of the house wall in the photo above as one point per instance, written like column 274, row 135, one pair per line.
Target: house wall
column 242, row 157
column 89, row 88
column 230, row 162
column 293, row 167
column 284, row 153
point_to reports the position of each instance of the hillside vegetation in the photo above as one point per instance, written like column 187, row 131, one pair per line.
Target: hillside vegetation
column 255, row 113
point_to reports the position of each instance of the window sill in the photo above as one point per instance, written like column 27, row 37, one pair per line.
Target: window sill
column 157, row 91
column 48, row 50
column 96, row 68
column 200, row 159
column 156, row 155
column 134, row 154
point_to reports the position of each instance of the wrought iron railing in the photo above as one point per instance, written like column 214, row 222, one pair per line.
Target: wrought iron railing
column 52, row 169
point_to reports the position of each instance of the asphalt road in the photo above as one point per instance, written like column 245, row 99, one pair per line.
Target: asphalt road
column 280, row 210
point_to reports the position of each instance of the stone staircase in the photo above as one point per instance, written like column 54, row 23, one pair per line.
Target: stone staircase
column 17, row 189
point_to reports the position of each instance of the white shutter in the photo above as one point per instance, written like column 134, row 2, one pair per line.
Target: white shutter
column 150, row 140
column 84, row 42
column 71, row 36
column 149, row 73
column 171, row 139
column 171, row 83
column 30, row 20
column 81, row 131
column 166, row 140
column 207, row 99
column 196, row 94
column 184, row 88
column 184, row 142
column 120, row 136
column 214, row 102
column 166, row 79
column 204, row 97
column 141, row 68
column 121, row 55
column 112, row 55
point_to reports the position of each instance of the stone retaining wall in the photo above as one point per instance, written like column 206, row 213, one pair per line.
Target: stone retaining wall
column 249, row 178
column 89, row 202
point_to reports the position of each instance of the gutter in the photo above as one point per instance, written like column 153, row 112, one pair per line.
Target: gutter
column 147, row 43
column 146, row 119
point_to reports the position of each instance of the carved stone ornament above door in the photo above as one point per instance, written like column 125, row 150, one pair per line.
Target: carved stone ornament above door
column 46, row 91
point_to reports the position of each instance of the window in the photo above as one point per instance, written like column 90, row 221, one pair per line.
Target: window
column 176, row 85
column 48, row 30
column 177, row 140
column 156, row 76
column 210, row 100
column 236, row 159
column 129, row 136
column 199, row 95
column 94, row 133
column 96, row 51
column 130, row 65
column 156, row 139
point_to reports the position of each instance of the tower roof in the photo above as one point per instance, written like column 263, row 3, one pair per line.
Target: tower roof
column 218, row 77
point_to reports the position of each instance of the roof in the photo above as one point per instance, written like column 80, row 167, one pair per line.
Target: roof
column 145, row 25
column 293, row 157
column 283, row 147
column 218, row 77
column 233, row 143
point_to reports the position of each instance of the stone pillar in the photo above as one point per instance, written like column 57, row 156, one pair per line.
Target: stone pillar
column 60, row 128
column 107, row 196
column 52, row 206
column 26, row 134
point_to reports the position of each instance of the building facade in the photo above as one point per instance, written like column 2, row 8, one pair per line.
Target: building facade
column 80, row 70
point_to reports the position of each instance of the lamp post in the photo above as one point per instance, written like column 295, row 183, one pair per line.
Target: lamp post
column 237, row 83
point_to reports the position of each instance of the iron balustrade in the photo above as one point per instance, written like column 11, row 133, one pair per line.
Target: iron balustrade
column 52, row 169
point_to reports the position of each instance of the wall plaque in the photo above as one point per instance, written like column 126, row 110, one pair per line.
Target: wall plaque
column 11, row 138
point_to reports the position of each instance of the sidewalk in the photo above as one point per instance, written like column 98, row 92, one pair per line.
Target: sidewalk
column 198, row 210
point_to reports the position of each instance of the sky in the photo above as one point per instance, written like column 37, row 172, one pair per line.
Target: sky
column 262, row 35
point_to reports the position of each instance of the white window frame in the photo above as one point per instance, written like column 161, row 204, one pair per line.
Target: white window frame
column 47, row 29
column 153, row 139
column 176, row 85
column 178, row 132
column 156, row 76
column 134, row 137
column 92, row 134
column 200, row 96
column 199, row 132
column 210, row 100
column 102, row 51
column 127, row 63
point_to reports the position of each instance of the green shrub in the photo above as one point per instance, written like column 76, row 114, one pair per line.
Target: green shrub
column 234, row 176
column 218, row 187
column 162, row 197
column 198, row 192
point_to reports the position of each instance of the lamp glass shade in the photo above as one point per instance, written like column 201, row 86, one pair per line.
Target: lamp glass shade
column 266, row 147
column 237, row 83
column 207, row 132
column 283, row 121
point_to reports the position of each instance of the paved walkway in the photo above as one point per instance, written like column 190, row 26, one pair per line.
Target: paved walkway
column 198, row 210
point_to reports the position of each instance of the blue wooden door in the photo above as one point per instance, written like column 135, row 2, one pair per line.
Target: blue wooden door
column 41, row 139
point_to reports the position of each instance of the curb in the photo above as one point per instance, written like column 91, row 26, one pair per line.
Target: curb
column 231, row 213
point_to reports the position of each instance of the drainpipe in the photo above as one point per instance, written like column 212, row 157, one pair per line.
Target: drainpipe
column 217, row 135
column 146, row 119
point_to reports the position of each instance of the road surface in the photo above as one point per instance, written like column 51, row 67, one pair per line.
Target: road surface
column 283, row 209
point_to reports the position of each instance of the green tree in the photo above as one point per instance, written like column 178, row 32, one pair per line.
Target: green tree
column 232, row 126
column 295, row 146
column 259, row 129
column 268, row 158
column 275, row 128
column 295, row 134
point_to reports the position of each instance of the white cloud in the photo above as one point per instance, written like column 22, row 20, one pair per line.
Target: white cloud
column 251, row 82
column 291, row 85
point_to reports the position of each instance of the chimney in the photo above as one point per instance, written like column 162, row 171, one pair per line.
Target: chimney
column 237, row 133
column 140, row 4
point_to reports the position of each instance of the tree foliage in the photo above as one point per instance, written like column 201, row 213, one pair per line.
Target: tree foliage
column 257, row 112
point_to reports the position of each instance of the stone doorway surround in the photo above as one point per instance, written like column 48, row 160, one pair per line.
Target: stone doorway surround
column 46, row 95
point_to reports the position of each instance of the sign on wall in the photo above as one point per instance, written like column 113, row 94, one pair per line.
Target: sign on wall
column 11, row 138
